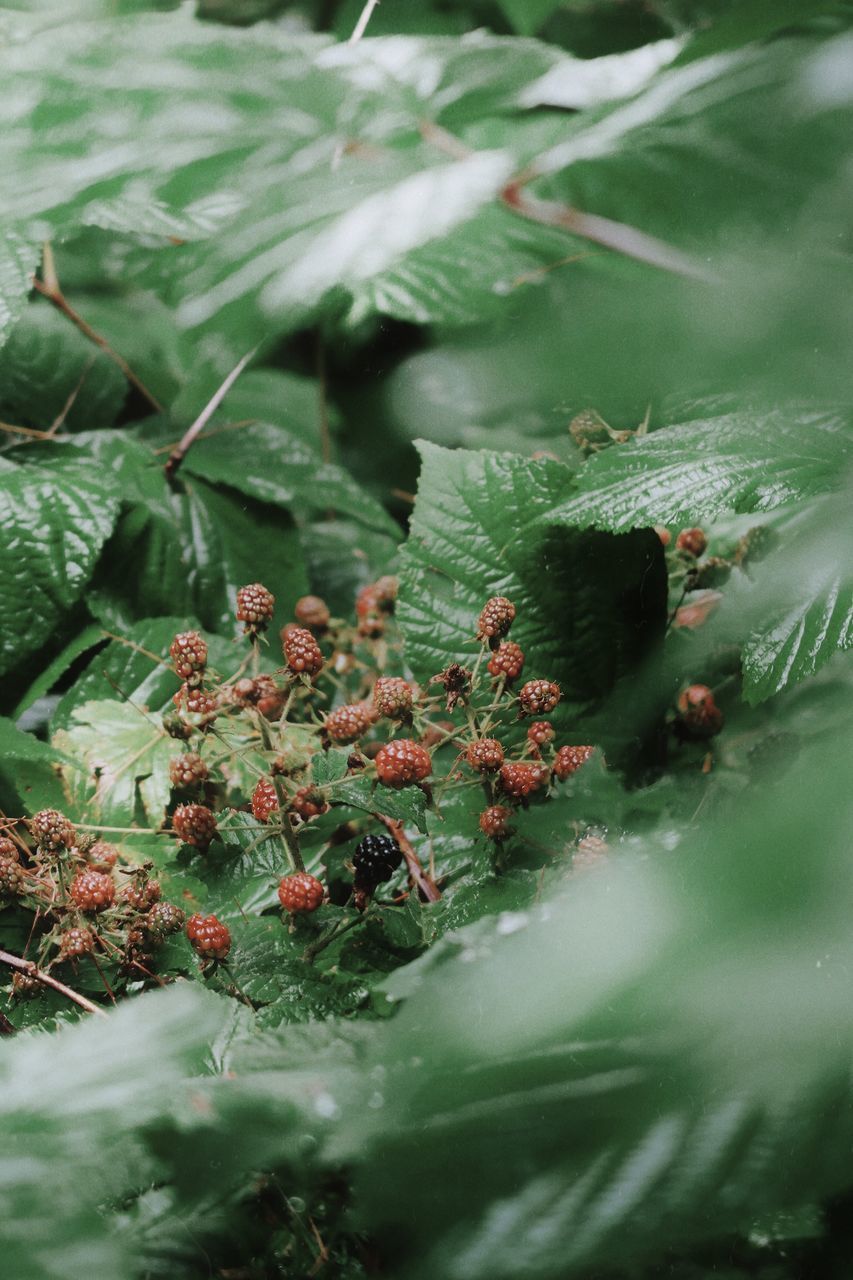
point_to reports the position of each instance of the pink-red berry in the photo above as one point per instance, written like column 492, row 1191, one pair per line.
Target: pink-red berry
column 521, row 780
column 164, row 919
column 692, row 541
column 392, row 697
column 8, row 849
column 664, row 534
column 264, row 799
column 141, row 894
column 486, row 755
column 495, row 620
column 538, row 697
column 402, row 762
column 92, row 891
column 102, row 856
column 507, row 661
column 52, row 830
column 210, row 938
column 76, row 943
column 187, row 769
column 300, row 893
column 255, row 607
column 195, row 824
column 698, row 714
column 540, row 733
column 11, row 878
column 188, row 652
column 494, row 821
column 308, row 803
column 311, row 611
column 569, row 759
column 347, row 723
column 301, row 652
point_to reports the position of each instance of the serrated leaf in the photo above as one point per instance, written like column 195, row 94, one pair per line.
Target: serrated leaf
column 588, row 605
column 271, row 465
column 804, row 612
column 740, row 462
column 329, row 766
column 407, row 805
column 18, row 260
column 54, row 525
column 120, row 770
column 48, row 367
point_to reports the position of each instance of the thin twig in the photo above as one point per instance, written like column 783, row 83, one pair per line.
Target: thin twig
column 59, row 420
column 32, row 971
column 178, row 454
column 363, row 19
column 288, row 835
column 428, row 887
column 54, row 294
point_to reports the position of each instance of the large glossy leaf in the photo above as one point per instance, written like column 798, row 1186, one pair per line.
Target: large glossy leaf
column 18, row 260
column 588, row 605
column 741, row 462
column 54, row 524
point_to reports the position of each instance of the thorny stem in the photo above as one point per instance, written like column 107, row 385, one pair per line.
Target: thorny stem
column 49, row 288
column 363, row 19
column 428, row 887
column 32, row 971
column 183, row 447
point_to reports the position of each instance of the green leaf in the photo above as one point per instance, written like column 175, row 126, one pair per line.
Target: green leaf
column 89, row 638
column 271, row 465
column 407, row 805
column 527, row 16
column 120, row 769
column 740, row 462
column 588, row 605
column 54, row 525
column 18, row 260
column 47, row 366
column 330, row 766
column 803, row 614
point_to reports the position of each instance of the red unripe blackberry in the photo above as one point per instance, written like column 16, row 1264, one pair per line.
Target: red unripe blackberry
column 8, row 849
column 494, row 821
column 201, row 706
column 302, row 652
column 255, row 608
column 540, row 733
column 141, row 894
column 369, row 612
column 52, row 830
column 25, row 986
column 92, row 891
column 102, row 856
column 210, row 938
column 188, row 652
column 698, row 714
column 187, row 770
column 569, row 759
column 392, row 697
column 264, row 800
column 11, row 878
column 402, row 762
column 300, row 893
column 538, row 697
column 506, row 661
column 75, row 943
column 664, row 534
column 375, row 860
column 521, row 780
column 164, row 919
column 486, row 755
column 244, row 689
column 495, row 620
column 349, row 722
column 308, row 803
column 195, row 824
column 311, row 611
column 692, row 541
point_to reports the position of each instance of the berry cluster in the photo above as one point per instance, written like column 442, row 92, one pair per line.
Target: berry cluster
column 86, row 900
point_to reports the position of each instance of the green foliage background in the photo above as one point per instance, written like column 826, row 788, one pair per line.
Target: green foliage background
column 649, row 1067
